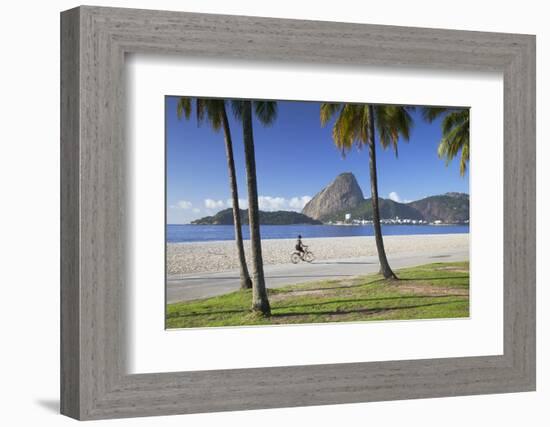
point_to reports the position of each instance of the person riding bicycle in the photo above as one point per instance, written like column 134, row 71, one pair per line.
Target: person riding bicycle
column 300, row 247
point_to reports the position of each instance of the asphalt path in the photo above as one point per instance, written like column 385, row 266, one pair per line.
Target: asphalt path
column 185, row 287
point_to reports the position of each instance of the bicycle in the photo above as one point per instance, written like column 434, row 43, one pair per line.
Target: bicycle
column 296, row 256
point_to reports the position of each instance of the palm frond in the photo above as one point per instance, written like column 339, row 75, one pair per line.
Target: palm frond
column 393, row 122
column 350, row 127
column 214, row 109
column 328, row 110
column 453, row 142
column 200, row 111
column 352, row 124
column 237, row 108
column 456, row 138
column 266, row 111
column 455, row 129
column 464, row 158
column 431, row 113
column 454, row 118
column 209, row 109
column 184, row 107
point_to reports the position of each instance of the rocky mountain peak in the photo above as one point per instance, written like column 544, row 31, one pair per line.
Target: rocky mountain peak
column 341, row 194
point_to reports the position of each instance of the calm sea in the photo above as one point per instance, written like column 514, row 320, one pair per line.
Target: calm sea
column 205, row 233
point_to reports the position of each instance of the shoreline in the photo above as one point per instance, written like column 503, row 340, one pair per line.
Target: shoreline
column 214, row 233
column 221, row 255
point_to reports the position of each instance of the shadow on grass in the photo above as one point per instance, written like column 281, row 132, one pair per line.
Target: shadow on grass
column 435, row 278
column 370, row 300
column 328, row 288
column 358, row 310
column 299, row 306
column 414, row 279
column 206, row 313
column 372, row 282
column 317, row 276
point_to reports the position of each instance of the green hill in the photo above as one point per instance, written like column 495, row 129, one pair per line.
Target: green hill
column 448, row 208
column 225, row 217
column 388, row 209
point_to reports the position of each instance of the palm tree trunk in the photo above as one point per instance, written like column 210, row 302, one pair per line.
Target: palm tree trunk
column 260, row 302
column 385, row 268
column 246, row 282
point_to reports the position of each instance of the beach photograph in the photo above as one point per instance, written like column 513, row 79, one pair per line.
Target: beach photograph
column 300, row 212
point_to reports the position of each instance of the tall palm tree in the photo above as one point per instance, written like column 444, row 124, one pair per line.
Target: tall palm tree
column 455, row 127
column 356, row 125
column 215, row 112
column 266, row 113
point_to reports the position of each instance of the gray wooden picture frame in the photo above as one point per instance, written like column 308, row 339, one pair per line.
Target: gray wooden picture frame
column 94, row 382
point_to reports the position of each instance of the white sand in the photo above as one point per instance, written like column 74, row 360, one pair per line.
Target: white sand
column 197, row 257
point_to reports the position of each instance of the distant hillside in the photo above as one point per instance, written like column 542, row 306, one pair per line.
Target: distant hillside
column 449, row 207
column 344, row 195
column 388, row 209
column 225, row 217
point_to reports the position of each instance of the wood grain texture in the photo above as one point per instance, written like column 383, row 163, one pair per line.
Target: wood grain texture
column 94, row 272
column 70, row 258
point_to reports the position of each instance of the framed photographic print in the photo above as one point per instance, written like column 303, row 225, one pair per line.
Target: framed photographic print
column 208, row 242
column 261, row 213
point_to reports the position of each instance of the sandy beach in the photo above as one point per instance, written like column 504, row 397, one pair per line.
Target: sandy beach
column 195, row 257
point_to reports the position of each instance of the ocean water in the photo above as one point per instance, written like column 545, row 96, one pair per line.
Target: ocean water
column 205, row 233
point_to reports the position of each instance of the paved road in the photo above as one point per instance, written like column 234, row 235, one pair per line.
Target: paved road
column 184, row 287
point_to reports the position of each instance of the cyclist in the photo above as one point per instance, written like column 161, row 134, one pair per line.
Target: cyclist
column 300, row 247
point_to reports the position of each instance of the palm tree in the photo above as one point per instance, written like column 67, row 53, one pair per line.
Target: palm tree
column 266, row 112
column 214, row 110
column 356, row 124
column 455, row 127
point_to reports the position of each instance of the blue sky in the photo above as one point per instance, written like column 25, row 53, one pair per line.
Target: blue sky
column 295, row 159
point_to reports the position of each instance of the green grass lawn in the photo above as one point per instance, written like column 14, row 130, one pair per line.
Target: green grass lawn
column 439, row 290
